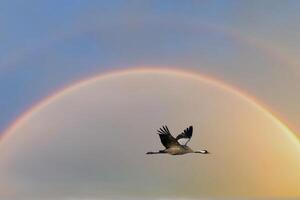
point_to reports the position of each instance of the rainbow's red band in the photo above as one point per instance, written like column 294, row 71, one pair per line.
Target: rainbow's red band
column 162, row 70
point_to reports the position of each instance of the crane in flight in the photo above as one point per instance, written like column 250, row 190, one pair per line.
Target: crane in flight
column 175, row 146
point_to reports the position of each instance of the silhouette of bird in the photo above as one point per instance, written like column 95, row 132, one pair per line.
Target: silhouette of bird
column 178, row 145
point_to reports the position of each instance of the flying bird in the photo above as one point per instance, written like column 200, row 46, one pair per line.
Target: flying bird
column 178, row 145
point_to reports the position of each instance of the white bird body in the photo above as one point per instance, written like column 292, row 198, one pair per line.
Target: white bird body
column 173, row 146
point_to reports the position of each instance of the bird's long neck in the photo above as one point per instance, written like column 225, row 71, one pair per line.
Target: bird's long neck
column 202, row 152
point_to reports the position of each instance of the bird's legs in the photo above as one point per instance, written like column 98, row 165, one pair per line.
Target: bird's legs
column 158, row 152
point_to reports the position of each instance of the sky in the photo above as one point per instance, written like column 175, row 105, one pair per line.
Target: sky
column 49, row 45
column 90, row 140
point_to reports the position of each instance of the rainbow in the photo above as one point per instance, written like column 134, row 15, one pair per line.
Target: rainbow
column 266, row 48
column 162, row 70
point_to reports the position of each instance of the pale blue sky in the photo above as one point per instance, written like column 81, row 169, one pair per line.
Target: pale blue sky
column 46, row 45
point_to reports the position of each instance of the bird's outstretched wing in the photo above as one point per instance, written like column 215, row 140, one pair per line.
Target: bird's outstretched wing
column 184, row 137
column 166, row 138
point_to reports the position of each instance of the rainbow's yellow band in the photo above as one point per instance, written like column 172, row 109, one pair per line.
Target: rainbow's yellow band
column 161, row 70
